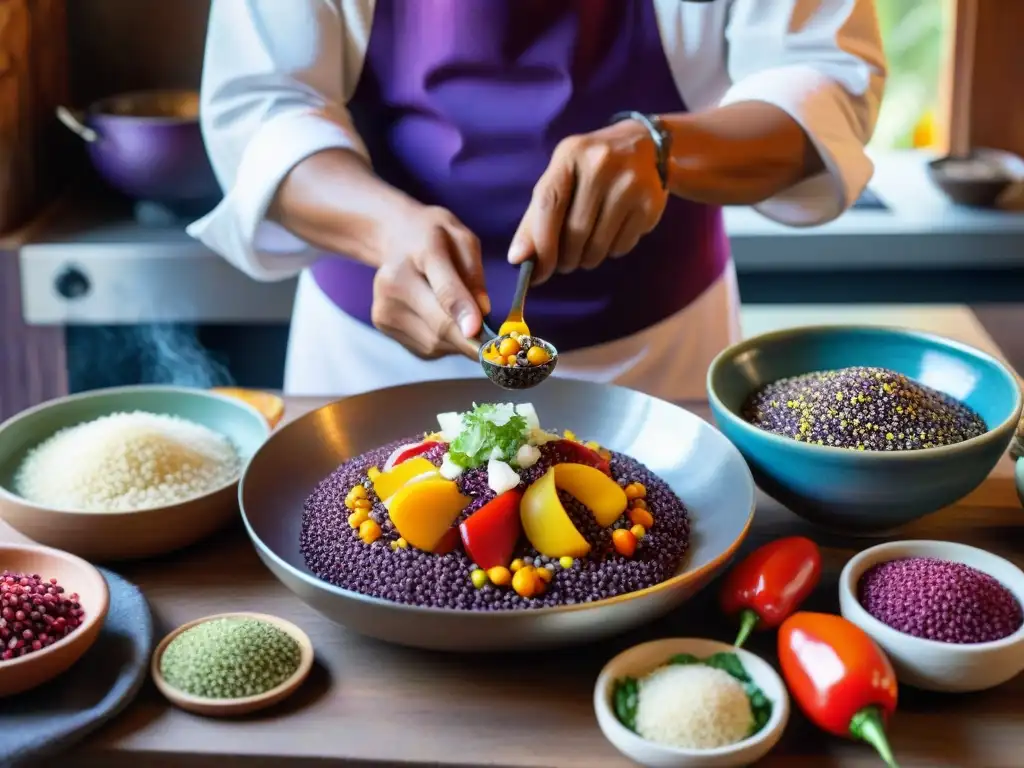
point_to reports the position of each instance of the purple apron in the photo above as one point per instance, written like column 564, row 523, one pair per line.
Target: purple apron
column 461, row 104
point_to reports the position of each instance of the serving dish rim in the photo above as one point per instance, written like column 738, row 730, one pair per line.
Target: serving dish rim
column 8, row 495
column 921, row 454
column 504, row 614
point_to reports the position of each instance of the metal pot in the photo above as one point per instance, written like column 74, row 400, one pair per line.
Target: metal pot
column 148, row 146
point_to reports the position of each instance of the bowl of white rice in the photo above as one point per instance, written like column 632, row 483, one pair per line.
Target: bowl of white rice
column 693, row 703
column 127, row 472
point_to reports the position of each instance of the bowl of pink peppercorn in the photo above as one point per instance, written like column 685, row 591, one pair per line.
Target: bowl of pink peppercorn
column 949, row 616
column 52, row 607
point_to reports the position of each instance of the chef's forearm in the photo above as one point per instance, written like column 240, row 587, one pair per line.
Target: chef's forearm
column 739, row 154
column 333, row 200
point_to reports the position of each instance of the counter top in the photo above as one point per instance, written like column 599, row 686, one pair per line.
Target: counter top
column 371, row 704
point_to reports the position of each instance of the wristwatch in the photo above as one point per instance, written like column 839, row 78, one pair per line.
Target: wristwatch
column 659, row 134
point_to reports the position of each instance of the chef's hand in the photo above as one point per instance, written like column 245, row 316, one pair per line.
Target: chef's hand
column 600, row 194
column 429, row 292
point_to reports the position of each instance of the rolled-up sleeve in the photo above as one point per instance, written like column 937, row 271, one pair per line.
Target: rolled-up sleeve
column 822, row 62
column 273, row 94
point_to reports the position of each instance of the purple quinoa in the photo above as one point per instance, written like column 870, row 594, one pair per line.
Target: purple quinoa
column 333, row 551
column 939, row 600
column 864, row 409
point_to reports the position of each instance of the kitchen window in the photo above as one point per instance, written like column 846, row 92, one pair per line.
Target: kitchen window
column 916, row 35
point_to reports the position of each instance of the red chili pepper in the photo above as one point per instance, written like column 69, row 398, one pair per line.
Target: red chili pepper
column 770, row 584
column 841, row 680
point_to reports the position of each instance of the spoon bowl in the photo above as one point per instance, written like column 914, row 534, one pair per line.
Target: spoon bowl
column 516, row 377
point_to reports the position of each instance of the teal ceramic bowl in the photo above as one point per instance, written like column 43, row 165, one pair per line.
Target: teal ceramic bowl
column 865, row 492
column 131, row 534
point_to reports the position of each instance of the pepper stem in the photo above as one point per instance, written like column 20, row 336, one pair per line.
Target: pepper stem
column 748, row 620
column 867, row 725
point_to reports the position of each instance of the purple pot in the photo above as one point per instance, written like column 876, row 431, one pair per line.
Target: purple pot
column 148, row 146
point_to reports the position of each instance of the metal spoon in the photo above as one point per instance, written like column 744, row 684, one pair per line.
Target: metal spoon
column 509, row 377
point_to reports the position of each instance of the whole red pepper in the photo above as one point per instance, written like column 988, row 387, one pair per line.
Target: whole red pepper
column 770, row 584
column 841, row 680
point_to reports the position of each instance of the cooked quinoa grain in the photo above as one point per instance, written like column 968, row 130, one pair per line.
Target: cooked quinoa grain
column 333, row 551
column 865, row 409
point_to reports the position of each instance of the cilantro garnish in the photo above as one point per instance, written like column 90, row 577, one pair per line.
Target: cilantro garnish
column 486, row 428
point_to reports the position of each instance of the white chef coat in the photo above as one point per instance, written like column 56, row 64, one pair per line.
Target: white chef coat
column 276, row 81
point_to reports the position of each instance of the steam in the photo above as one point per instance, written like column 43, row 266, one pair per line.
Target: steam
column 155, row 353
column 172, row 354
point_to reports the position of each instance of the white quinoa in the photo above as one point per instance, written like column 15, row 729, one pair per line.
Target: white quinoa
column 127, row 461
column 693, row 706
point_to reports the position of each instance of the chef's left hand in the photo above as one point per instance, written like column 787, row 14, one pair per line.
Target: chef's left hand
column 600, row 194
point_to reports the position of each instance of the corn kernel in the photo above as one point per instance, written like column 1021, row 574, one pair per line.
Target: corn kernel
column 358, row 517
column 369, row 531
column 499, row 575
column 479, row 578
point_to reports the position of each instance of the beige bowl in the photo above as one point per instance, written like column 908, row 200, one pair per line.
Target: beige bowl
column 246, row 704
column 75, row 575
column 101, row 536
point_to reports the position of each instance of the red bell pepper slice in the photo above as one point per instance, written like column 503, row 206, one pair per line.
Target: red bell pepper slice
column 448, row 542
column 770, row 584
column 839, row 677
column 490, row 534
column 406, row 452
column 572, row 452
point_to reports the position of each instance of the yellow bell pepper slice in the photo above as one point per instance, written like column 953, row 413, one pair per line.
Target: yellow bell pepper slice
column 546, row 523
column 594, row 490
column 388, row 483
column 425, row 510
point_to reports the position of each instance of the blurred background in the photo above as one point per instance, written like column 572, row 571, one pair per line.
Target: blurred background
column 97, row 291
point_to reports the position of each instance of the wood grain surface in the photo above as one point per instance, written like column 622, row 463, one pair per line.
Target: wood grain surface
column 370, row 704
column 33, row 81
column 33, row 363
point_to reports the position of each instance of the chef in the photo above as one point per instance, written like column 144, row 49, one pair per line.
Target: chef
column 403, row 156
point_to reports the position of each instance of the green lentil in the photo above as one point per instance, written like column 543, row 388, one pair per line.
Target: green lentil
column 230, row 659
column 862, row 409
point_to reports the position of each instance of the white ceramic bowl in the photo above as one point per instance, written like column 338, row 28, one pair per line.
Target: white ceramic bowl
column 641, row 659
column 929, row 664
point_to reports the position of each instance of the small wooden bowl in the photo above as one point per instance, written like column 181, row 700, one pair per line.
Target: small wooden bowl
column 76, row 576
column 246, row 704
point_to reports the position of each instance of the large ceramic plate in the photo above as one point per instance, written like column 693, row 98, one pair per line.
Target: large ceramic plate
column 698, row 462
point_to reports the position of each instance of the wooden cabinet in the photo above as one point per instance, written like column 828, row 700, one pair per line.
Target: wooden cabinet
column 33, row 81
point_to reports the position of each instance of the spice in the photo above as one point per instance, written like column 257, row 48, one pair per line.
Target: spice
column 841, row 680
column 230, row 659
column 770, row 584
column 866, row 409
column 940, row 600
column 34, row 614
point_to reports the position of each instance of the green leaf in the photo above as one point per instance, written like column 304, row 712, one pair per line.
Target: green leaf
column 729, row 662
column 760, row 705
column 625, row 698
column 485, row 428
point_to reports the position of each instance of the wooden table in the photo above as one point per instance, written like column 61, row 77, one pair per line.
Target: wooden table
column 374, row 705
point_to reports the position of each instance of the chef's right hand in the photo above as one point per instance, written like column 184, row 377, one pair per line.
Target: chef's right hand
column 429, row 293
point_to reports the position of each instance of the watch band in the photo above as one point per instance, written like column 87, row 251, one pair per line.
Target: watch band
column 659, row 134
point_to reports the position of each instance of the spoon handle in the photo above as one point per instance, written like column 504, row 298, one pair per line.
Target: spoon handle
column 486, row 334
column 522, row 285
